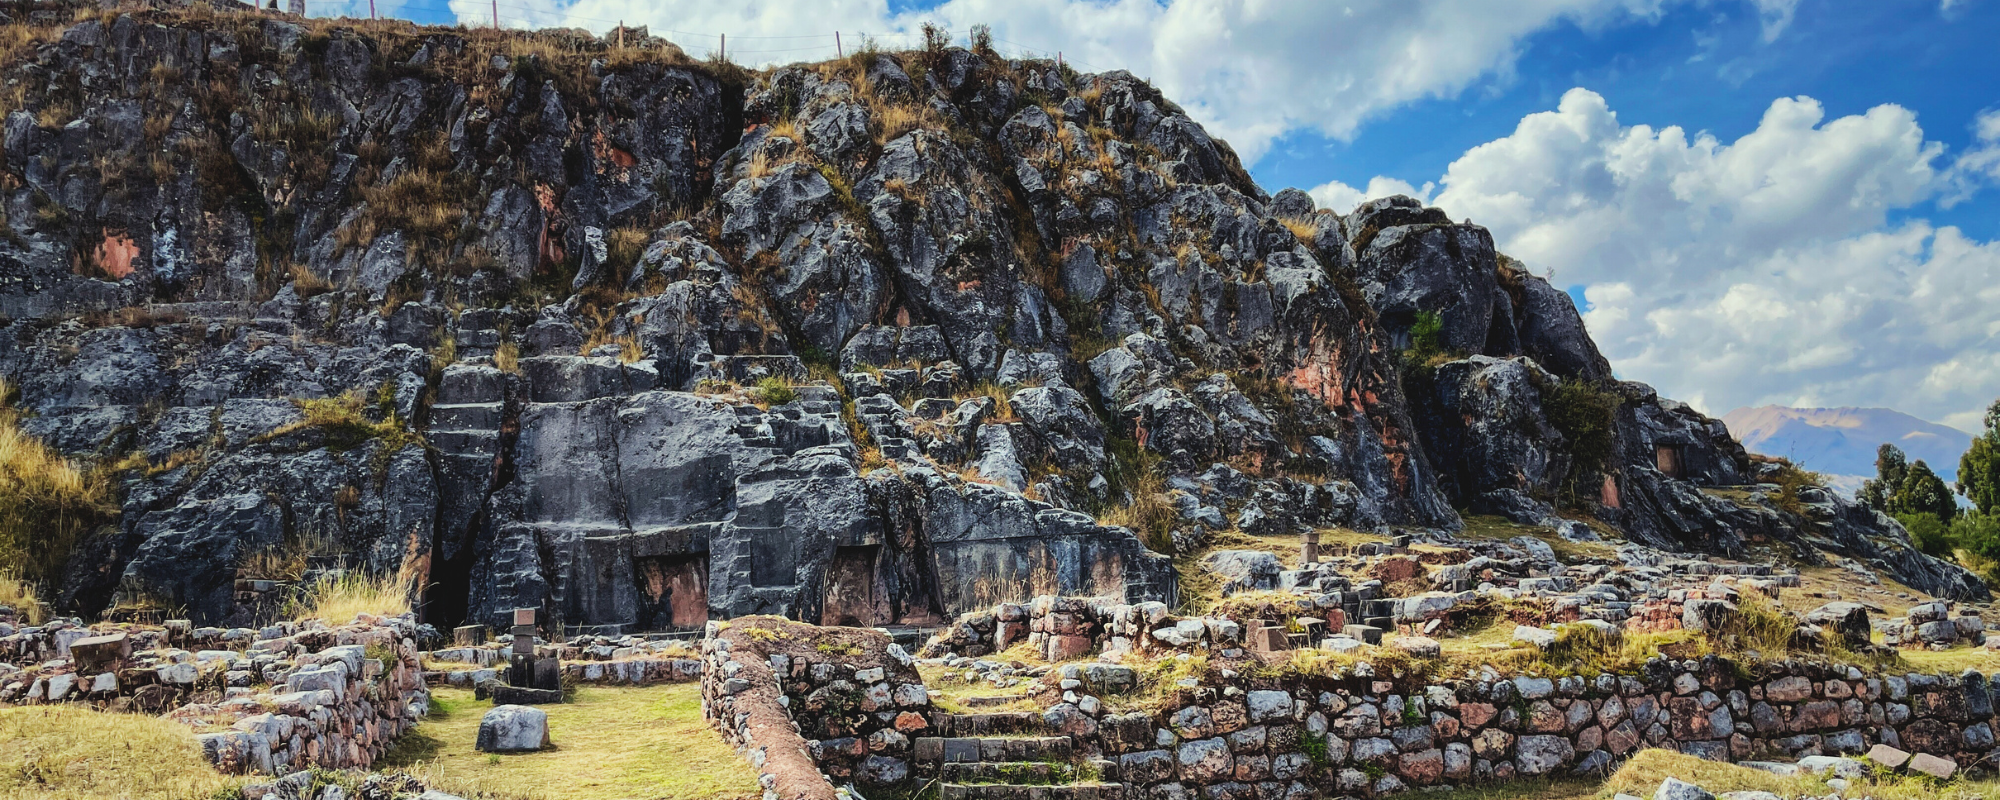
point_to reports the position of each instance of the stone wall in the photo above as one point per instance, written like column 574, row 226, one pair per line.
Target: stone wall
column 812, row 707
column 620, row 661
column 272, row 700
column 1363, row 735
column 1247, row 728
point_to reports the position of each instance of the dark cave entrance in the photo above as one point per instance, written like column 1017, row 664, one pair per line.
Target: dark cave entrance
column 448, row 596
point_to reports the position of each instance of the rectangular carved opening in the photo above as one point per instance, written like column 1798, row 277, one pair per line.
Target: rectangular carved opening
column 673, row 591
column 852, row 596
column 1668, row 459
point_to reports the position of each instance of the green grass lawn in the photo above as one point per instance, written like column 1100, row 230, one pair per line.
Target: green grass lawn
column 610, row 742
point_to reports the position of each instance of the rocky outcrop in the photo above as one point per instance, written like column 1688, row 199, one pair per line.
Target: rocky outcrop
column 641, row 342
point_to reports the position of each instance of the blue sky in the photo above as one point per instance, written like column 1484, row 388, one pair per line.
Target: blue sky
column 1702, row 68
column 1757, row 202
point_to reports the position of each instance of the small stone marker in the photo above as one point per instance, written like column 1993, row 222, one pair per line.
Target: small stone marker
column 524, row 631
column 1888, row 756
column 1939, row 768
column 512, row 729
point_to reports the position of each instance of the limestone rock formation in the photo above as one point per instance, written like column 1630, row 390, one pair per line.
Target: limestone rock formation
column 642, row 341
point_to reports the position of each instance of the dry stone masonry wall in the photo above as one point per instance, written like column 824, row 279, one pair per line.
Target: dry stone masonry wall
column 814, row 707
column 273, row 700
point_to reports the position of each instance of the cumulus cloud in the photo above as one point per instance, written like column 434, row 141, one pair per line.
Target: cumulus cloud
column 1342, row 198
column 1250, row 70
column 1763, row 270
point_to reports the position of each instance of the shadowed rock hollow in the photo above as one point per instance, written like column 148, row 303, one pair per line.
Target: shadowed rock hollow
column 641, row 341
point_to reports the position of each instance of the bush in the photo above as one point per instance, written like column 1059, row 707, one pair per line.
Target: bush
column 1585, row 414
column 1928, row 533
column 1426, row 343
column 1792, row 482
column 774, row 392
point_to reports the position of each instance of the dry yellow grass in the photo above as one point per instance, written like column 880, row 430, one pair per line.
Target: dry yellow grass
column 125, row 756
column 1825, row 581
column 1644, row 772
column 1479, row 526
column 336, row 601
column 643, row 743
column 1305, row 229
column 17, row 594
column 47, row 503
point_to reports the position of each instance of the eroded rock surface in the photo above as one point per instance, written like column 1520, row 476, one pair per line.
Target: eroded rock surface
column 875, row 341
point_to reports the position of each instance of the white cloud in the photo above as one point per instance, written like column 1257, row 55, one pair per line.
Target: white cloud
column 1763, row 270
column 1978, row 165
column 1776, row 14
column 1250, row 70
column 1342, row 198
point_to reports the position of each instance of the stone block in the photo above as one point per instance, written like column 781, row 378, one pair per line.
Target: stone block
column 504, row 694
column 1934, row 766
column 468, row 635
column 513, row 728
column 1888, row 756
column 98, row 653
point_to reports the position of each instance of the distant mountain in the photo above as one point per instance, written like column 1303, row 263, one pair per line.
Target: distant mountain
column 1840, row 442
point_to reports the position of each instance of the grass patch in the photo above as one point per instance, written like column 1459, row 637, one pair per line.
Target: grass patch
column 48, row 504
column 1644, row 772
column 18, row 595
column 1487, row 526
column 343, row 420
column 337, row 600
column 1825, row 581
column 647, row 742
column 1953, row 661
column 124, row 755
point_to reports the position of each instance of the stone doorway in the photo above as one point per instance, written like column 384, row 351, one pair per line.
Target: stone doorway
column 853, row 596
column 673, row 591
column 1670, row 460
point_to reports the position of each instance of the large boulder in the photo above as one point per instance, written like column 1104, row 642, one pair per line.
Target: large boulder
column 1850, row 620
column 512, row 729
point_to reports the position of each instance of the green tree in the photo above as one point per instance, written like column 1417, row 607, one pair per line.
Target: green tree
column 1890, row 467
column 1923, row 492
column 1978, row 532
column 1979, row 468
